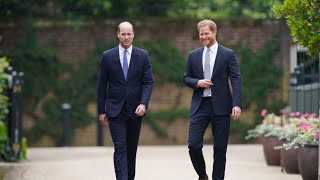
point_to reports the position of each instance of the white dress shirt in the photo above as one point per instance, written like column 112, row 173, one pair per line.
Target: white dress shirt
column 129, row 52
column 213, row 53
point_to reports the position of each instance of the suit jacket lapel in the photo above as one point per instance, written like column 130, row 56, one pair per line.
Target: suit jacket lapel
column 133, row 61
column 199, row 62
column 217, row 61
column 116, row 61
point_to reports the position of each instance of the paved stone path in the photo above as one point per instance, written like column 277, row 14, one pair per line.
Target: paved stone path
column 244, row 162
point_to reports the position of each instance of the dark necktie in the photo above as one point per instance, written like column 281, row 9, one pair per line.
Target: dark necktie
column 125, row 64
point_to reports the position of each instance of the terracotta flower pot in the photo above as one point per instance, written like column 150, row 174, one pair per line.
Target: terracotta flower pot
column 289, row 160
column 272, row 156
column 308, row 161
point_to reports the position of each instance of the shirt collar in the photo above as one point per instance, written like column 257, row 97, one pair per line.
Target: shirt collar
column 213, row 48
column 129, row 50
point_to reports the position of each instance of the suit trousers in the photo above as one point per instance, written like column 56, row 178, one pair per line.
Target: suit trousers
column 220, row 130
column 125, row 133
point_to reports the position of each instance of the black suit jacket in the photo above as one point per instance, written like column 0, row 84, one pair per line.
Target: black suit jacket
column 114, row 90
column 225, row 68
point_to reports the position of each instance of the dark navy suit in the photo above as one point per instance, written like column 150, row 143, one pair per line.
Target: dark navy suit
column 215, row 109
column 118, row 98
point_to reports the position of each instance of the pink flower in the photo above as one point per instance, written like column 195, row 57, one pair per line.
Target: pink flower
column 305, row 115
column 292, row 114
column 297, row 113
column 282, row 111
column 303, row 121
column 306, row 126
column 312, row 115
column 317, row 134
column 264, row 112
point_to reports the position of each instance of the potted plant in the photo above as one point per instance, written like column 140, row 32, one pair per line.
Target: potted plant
column 268, row 129
column 307, row 140
column 289, row 157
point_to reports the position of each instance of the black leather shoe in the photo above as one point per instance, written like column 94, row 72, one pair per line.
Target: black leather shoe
column 205, row 178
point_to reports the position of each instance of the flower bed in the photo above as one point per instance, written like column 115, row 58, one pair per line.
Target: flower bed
column 295, row 130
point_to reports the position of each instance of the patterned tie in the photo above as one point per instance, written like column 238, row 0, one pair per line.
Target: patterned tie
column 207, row 72
column 125, row 64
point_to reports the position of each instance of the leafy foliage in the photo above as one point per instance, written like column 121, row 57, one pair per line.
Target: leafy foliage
column 167, row 61
column 49, row 83
column 303, row 19
column 40, row 65
column 251, row 8
column 41, row 78
column 223, row 9
column 99, row 9
column 3, row 137
column 79, row 9
column 297, row 129
column 3, row 105
column 3, row 87
column 270, row 126
column 24, row 146
column 259, row 75
column 261, row 79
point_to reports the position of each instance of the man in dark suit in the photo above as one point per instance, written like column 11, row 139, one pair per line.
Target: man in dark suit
column 208, row 72
column 124, row 90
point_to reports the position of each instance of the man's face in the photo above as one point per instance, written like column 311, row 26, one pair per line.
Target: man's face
column 206, row 36
column 125, row 36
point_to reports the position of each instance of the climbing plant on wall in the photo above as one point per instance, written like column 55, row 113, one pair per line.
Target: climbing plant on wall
column 49, row 82
column 261, row 77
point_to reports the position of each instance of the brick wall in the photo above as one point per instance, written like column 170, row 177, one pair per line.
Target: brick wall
column 73, row 43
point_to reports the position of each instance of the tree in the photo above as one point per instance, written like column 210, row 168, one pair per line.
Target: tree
column 257, row 9
column 102, row 9
column 84, row 9
column 303, row 18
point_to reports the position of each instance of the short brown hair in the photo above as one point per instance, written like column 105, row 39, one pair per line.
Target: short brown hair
column 212, row 25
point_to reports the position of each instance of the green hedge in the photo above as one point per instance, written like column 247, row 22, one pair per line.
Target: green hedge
column 4, row 104
column 3, row 86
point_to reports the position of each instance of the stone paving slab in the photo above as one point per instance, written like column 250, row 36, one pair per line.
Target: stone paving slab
column 244, row 162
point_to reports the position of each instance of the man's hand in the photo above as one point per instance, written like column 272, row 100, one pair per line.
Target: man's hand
column 236, row 112
column 103, row 119
column 141, row 110
column 204, row 83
